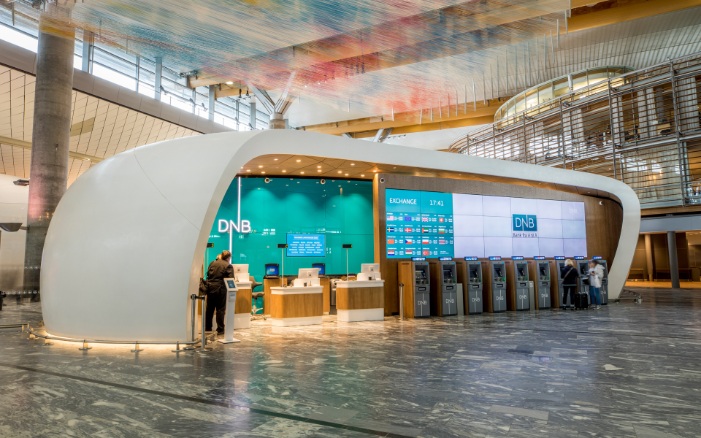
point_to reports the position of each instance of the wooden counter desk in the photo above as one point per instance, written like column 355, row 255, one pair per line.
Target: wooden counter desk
column 296, row 305
column 360, row 300
column 242, row 317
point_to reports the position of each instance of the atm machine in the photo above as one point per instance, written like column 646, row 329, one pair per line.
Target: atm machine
column 415, row 275
column 444, row 299
column 582, row 266
column 604, row 281
column 470, row 275
column 517, row 281
column 539, row 270
column 494, row 294
column 557, row 289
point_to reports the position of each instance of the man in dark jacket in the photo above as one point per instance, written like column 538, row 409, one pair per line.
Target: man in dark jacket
column 216, row 290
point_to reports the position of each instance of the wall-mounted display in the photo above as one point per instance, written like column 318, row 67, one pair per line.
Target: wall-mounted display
column 306, row 245
column 435, row 224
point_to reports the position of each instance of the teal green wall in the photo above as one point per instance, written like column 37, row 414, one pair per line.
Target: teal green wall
column 341, row 209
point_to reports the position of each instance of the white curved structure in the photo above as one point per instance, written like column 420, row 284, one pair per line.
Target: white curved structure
column 125, row 247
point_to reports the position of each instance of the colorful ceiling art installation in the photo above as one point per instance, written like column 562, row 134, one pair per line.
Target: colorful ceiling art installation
column 384, row 56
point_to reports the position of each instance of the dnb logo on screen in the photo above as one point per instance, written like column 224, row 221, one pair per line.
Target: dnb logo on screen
column 524, row 225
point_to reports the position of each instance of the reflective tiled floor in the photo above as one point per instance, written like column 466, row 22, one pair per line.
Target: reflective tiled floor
column 626, row 370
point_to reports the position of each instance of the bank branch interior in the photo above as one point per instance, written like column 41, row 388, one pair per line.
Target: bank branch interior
column 405, row 244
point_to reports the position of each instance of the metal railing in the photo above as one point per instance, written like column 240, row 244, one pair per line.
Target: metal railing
column 642, row 128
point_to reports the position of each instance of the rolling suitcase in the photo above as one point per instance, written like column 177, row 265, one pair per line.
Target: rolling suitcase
column 581, row 301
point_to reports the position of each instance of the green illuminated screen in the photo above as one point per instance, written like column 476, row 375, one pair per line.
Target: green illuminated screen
column 340, row 210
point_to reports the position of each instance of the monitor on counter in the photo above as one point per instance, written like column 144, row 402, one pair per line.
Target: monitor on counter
column 370, row 267
column 321, row 267
column 272, row 270
column 308, row 273
column 240, row 269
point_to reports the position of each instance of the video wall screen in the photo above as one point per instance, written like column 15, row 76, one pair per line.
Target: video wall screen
column 434, row 224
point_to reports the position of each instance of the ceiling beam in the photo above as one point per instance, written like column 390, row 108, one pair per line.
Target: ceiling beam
column 28, row 145
column 469, row 114
column 629, row 11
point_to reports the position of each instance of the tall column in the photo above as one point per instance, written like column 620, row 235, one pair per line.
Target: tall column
column 212, row 101
column 650, row 257
column 50, row 136
column 158, row 79
column 673, row 260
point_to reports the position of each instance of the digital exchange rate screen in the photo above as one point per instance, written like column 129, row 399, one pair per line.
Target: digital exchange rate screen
column 419, row 223
column 434, row 224
column 306, row 245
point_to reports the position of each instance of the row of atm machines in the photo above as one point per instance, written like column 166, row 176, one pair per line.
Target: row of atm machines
column 430, row 287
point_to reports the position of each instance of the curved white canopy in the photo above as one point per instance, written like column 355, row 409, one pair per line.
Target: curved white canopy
column 126, row 244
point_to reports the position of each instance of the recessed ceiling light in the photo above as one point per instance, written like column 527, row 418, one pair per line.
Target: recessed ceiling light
column 229, row 82
column 375, row 171
column 352, row 164
column 362, row 175
column 275, row 159
column 319, row 170
column 318, row 167
column 248, row 170
column 302, row 172
column 299, row 161
column 260, row 167
column 263, row 172
column 346, row 174
column 284, row 171
column 340, row 171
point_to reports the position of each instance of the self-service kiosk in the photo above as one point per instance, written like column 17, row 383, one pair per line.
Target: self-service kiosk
column 494, row 294
column 604, row 281
column 518, row 297
column 444, row 279
column 583, row 269
column 415, row 276
column 539, row 270
column 231, row 290
column 558, row 290
column 470, row 275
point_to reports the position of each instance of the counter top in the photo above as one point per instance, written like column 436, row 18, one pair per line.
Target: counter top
column 296, row 290
column 357, row 284
column 244, row 284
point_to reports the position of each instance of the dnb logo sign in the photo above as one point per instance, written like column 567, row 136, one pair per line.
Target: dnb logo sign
column 524, row 225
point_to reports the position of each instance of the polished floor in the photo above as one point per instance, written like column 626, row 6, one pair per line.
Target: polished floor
column 627, row 370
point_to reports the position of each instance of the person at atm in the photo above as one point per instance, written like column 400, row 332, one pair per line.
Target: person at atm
column 217, row 271
column 570, row 277
column 596, row 274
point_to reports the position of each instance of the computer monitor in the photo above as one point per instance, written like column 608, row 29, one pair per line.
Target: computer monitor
column 370, row 267
column 308, row 273
column 321, row 267
column 240, row 269
column 272, row 270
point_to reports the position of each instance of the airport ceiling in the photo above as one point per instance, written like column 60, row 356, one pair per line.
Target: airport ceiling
column 350, row 67
column 381, row 60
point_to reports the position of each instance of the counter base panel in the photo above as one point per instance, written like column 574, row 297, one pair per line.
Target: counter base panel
column 360, row 298
column 361, row 315
column 288, row 322
column 242, row 321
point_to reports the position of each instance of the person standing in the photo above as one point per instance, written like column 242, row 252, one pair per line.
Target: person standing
column 217, row 271
column 570, row 276
column 596, row 274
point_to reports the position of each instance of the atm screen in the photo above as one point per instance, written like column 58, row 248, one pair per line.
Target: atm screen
column 542, row 272
column 473, row 273
column 498, row 271
column 231, row 284
column 521, row 272
column 447, row 275
column 584, row 269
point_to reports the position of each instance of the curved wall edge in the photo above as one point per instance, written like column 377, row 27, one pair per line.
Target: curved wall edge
column 123, row 251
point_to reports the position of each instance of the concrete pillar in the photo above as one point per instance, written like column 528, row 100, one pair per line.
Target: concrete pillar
column 673, row 260
column 50, row 136
column 212, row 101
column 650, row 257
column 253, row 114
column 158, row 80
column 88, row 43
column 276, row 121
